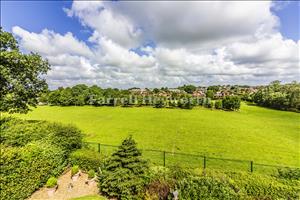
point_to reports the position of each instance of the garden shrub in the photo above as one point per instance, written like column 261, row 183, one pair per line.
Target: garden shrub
column 123, row 177
column 74, row 170
column 289, row 173
column 15, row 132
column 205, row 187
column 188, row 104
column 159, row 184
column 258, row 186
column 31, row 152
column 52, row 181
column 218, row 104
column 25, row 169
column 86, row 159
column 67, row 137
column 212, row 184
column 91, row 173
column 231, row 103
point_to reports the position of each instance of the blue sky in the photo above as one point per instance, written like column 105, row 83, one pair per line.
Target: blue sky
column 154, row 44
column 37, row 15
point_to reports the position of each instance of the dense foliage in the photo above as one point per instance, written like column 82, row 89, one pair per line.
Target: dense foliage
column 31, row 152
column 21, row 79
column 289, row 173
column 279, row 96
column 231, row 103
column 192, row 185
column 25, row 169
column 16, row 132
column 86, row 159
column 52, row 182
column 123, row 175
column 74, row 170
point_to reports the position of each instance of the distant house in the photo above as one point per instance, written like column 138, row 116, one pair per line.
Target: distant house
column 198, row 93
column 175, row 90
column 139, row 91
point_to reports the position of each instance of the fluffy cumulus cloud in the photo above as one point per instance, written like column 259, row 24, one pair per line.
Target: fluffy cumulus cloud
column 190, row 42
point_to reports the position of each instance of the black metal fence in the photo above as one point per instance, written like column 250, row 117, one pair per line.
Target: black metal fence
column 167, row 158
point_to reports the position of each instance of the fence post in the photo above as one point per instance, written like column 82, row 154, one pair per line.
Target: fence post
column 164, row 158
column 251, row 166
column 204, row 162
column 98, row 147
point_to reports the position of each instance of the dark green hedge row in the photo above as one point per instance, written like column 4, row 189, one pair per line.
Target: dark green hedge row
column 25, row 169
column 31, row 152
column 218, row 185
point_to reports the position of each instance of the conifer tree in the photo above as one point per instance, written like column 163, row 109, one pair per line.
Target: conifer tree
column 123, row 176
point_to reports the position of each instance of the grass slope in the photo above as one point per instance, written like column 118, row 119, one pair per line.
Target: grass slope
column 254, row 133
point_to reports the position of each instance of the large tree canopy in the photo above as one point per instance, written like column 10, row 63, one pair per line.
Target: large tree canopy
column 21, row 76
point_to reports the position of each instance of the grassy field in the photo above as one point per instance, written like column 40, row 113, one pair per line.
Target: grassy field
column 254, row 133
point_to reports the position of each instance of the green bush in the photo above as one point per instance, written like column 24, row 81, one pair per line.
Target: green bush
column 188, row 104
column 258, row 186
column 124, row 175
column 52, row 182
column 211, row 184
column 31, row 152
column 15, row 132
column 231, row 103
column 86, row 159
column 25, row 169
column 91, row 173
column 67, row 137
column 74, row 170
column 218, row 104
column 289, row 173
column 205, row 187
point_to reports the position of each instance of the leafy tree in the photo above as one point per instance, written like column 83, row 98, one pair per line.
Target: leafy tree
column 278, row 96
column 21, row 80
column 214, row 88
column 156, row 90
column 123, row 176
column 210, row 94
column 218, row 104
column 159, row 103
column 188, row 88
column 188, row 104
column 231, row 103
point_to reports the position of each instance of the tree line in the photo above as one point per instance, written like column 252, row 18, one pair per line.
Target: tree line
column 81, row 94
column 279, row 96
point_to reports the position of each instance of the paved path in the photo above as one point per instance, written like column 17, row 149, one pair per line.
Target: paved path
column 63, row 193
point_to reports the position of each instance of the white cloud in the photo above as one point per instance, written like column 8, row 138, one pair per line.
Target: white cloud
column 195, row 42
column 195, row 23
column 49, row 42
column 105, row 23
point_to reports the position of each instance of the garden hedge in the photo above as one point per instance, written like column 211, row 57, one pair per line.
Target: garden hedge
column 86, row 159
column 211, row 184
column 25, row 169
column 31, row 152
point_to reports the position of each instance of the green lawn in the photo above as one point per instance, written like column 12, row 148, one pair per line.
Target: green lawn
column 254, row 133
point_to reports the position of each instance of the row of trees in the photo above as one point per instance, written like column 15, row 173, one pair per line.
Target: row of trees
column 279, row 96
column 83, row 95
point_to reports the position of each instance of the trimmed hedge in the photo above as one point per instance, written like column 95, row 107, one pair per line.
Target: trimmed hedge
column 25, row 169
column 31, row 152
column 211, row 184
column 16, row 132
column 86, row 159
